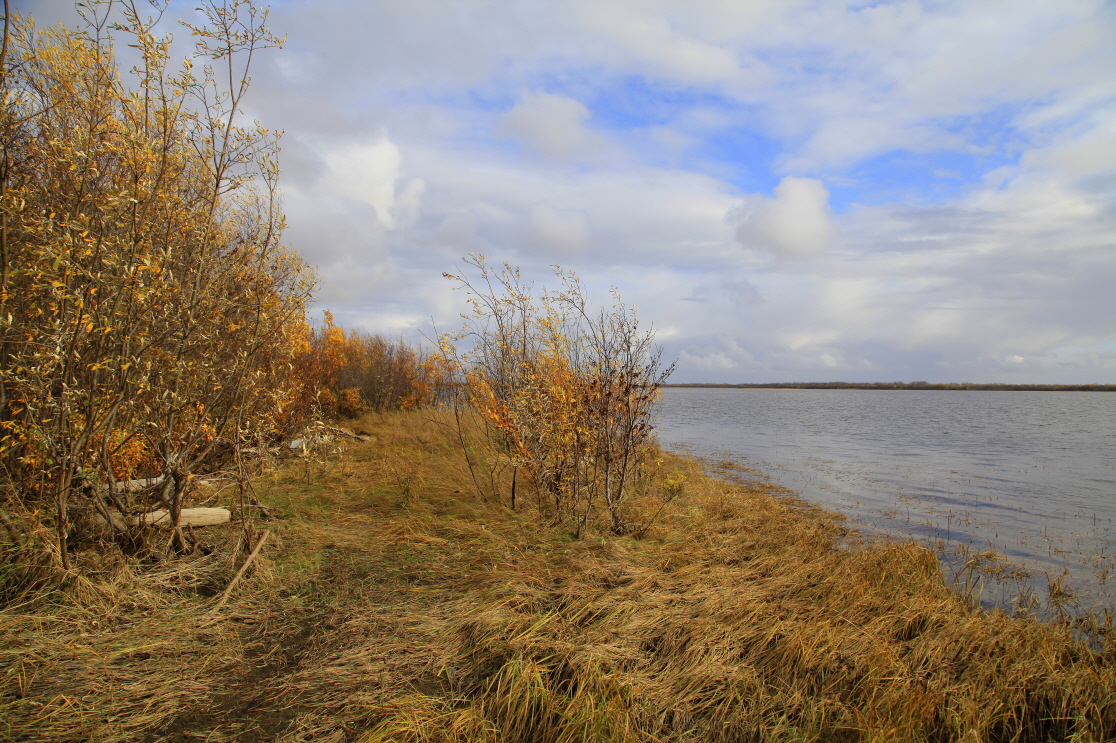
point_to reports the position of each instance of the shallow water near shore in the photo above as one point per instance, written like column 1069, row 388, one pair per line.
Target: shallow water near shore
column 1030, row 476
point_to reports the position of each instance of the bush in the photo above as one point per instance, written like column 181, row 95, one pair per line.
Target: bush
column 149, row 313
column 350, row 372
column 570, row 391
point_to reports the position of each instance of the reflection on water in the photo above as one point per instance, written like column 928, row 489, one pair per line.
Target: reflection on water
column 1030, row 476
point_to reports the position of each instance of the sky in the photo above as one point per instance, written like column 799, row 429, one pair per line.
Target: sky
column 785, row 190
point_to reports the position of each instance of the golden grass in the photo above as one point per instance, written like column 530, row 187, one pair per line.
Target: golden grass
column 395, row 605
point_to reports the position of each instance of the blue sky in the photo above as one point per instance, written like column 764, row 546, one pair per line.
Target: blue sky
column 787, row 190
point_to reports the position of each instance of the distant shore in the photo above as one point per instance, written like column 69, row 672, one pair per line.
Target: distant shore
column 907, row 386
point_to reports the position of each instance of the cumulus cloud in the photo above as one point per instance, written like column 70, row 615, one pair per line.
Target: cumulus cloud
column 370, row 172
column 346, row 214
column 652, row 42
column 990, row 254
column 739, row 293
column 797, row 223
column 562, row 231
column 628, row 216
column 552, row 126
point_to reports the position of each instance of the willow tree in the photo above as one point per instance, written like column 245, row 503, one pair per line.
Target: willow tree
column 569, row 389
column 148, row 309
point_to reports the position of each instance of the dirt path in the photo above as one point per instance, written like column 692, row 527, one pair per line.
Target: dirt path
column 345, row 611
column 323, row 654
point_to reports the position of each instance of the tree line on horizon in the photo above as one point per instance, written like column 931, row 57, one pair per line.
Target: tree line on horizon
column 903, row 386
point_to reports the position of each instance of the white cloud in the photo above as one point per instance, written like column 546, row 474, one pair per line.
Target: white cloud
column 634, row 215
column 732, row 294
column 458, row 233
column 366, row 172
column 713, row 362
column 563, row 231
column 408, row 203
column 552, row 126
column 797, row 223
column 646, row 122
column 956, row 287
column 653, row 44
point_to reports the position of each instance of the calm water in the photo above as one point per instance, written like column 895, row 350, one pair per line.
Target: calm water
column 1029, row 475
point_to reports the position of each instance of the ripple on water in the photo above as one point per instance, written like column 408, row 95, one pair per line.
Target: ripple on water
column 1030, row 475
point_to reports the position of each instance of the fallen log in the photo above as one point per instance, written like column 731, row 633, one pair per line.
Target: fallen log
column 319, row 435
column 188, row 517
column 162, row 519
column 136, row 486
column 310, row 443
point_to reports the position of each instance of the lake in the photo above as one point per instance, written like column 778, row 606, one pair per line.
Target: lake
column 1030, row 476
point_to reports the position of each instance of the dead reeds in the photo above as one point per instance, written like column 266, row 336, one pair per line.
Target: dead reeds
column 742, row 617
column 392, row 607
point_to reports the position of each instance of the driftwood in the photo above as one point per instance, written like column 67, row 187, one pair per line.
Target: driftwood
column 321, row 435
column 161, row 518
column 136, row 486
column 146, row 483
column 188, row 517
column 346, row 434
column 310, row 443
column 260, row 450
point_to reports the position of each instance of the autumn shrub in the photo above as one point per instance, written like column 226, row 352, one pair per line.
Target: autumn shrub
column 345, row 373
column 149, row 313
column 350, row 403
column 567, row 389
column 391, row 374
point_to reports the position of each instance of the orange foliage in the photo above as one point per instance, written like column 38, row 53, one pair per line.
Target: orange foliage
column 148, row 309
column 344, row 373
column 569, row 392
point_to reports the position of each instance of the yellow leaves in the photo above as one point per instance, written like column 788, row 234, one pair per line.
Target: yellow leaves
column 674, row 482
column 143, row 281
column 569, row 391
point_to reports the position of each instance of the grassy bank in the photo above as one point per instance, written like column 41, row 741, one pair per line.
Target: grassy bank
column 390, row 603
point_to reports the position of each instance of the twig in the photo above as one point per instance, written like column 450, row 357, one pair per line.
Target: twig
column 346, row 434
column 239, row 573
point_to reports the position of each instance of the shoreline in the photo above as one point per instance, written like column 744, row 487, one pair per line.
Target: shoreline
column 963, row 476
column 953, row 387
column 394, row 604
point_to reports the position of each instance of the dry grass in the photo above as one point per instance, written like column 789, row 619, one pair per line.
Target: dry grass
column 395, row 605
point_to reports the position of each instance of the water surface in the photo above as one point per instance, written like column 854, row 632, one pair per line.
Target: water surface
column 1030, row 476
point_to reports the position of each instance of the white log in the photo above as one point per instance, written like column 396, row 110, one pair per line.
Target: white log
column 118, row 522
column 189, row 517
column 135, row 486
